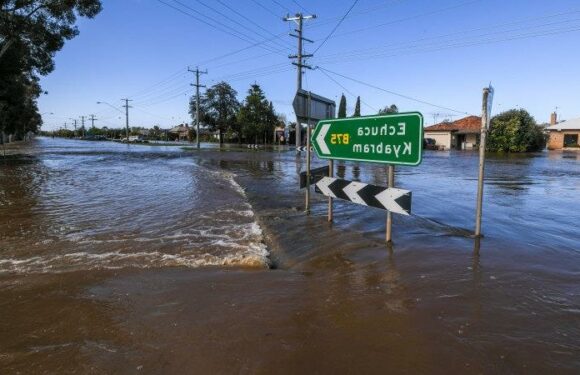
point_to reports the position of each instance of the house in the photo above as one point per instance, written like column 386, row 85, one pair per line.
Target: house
column 563, row 134
column 180, row 132
column 462, row 134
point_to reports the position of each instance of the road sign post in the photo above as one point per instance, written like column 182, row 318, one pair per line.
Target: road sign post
column 308, row 154
column 330, row 174
column 485, row 121
column 390, row 184
column 309, row 108
column 395, row 139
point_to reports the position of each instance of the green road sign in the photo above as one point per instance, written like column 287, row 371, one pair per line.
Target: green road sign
column 391, row 139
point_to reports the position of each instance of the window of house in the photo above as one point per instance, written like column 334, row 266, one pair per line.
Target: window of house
column 570, row 140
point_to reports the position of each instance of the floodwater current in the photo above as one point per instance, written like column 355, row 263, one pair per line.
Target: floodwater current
column 157, row 259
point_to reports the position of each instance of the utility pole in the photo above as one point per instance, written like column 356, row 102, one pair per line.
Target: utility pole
column 485, row 121
column 127, row 106
column 75, row 126
column 197, row 86
column 300, row 56
column 93, row 119
column 83, row 125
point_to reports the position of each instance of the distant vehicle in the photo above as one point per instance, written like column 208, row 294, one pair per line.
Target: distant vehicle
column 429, row 144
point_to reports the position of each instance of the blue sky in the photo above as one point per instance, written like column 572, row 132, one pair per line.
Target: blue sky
column 439, row 52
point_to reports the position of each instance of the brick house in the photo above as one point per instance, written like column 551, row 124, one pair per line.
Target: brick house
column 564, row 134
column 462, row 134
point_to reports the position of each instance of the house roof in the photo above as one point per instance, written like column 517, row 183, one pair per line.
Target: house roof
column 573, row 124
column 179, row 129
column 469, row 124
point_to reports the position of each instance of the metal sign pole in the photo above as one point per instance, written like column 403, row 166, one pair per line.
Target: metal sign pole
column 307, row 209
column 390, row 184
column 484, row 124
column 330, row 174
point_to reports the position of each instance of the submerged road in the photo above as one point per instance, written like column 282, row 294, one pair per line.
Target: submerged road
column 123, row 259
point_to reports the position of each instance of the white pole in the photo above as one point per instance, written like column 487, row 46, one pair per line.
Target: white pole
column 308, row 158
column 482, row 143
column 391, row 184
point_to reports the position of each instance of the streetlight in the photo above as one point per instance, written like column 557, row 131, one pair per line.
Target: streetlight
column 45, row 113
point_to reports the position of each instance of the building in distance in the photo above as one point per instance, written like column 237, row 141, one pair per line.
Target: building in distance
column 564, row 134
column 462, row 134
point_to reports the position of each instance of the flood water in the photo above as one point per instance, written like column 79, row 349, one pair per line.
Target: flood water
column 155, row 259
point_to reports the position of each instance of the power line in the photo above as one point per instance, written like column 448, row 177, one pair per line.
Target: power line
column 408, row 18
column 300, row 6
column 235, row 33
column 407, row 44
column 336, row 27
column 392, row 92
column 248, row 39
column 347, row 90
column 249, row 20
column 417, row 49
column 224, row 15
column 266, row 9
column 241, row 50
column 170, row 78
column 330, row 20
column 281, row 6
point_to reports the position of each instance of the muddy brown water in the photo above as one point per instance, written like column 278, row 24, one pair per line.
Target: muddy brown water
column 141, row 259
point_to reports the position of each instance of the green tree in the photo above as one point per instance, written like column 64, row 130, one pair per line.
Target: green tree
column 218, row 108
column 389, row 109
column 342, row 107
column 357, row 107
column 31, row 32
column 515, row 131
column 257, row 117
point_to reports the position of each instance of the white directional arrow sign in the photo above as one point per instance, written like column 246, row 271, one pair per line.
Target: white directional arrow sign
column 397, row 201
column 322, row 185
column 351, row 190
column 389, row 197
column 320, row 139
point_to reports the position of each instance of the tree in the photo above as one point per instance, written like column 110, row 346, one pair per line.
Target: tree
column 257, row 117
column 515, row 131
column 357, row 107
column 218, row 108
column 31, row 32
column 41, row 27
column 389, row 109
column 342, row 107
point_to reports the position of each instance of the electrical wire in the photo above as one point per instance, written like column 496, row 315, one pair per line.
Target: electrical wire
column 266, row 9
column 463, row 33
column 227, row 17
column 392, row 92
column 347, row 90
column 235, row 33
column 335, row 27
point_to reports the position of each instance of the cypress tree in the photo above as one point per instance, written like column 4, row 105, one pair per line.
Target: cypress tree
column 357, row 107
column 342, row 107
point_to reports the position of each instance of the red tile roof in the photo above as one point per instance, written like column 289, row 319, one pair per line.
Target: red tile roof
column 469, row 124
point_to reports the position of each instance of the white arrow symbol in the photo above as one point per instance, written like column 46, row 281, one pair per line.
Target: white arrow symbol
column 387, row 199
column 351, row 190
column 323, row 186
column 320, row 139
